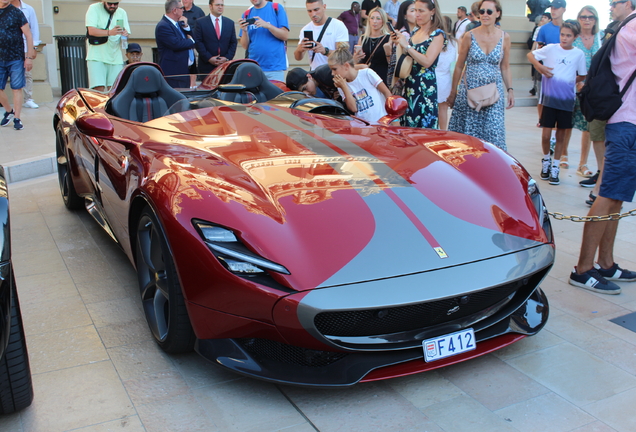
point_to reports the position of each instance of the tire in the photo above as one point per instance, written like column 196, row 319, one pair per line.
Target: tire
column 72, row 200
column 161, row 294
column 16, row 389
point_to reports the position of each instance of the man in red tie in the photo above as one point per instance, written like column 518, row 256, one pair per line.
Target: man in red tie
column 215, row 38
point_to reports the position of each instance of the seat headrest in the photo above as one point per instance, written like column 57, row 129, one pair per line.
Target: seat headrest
column 248, row 74
column 146, row 80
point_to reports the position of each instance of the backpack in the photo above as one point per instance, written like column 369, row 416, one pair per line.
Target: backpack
column 601, row 97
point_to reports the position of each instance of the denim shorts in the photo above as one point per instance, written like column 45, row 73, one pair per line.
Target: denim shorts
column 14, row 70
column 619, row 170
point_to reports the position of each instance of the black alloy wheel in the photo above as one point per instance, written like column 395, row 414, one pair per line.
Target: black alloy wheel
column 16, row 389
column 161, row 295
column 72, row 200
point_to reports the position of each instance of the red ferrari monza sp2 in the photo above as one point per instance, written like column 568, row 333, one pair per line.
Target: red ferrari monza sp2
column 285, row 239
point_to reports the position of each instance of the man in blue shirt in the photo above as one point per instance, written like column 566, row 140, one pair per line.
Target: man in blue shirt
column 550, row 33
column 264, row 39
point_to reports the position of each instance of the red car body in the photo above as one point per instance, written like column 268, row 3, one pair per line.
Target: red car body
column 385, row 235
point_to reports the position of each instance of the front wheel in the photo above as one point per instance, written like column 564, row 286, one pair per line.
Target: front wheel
column 161, row 295
column 16, row 389
column 72, row 200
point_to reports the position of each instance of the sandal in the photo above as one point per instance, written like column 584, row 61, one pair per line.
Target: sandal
column 564, row 162
column 591, row 199
column 584, row 171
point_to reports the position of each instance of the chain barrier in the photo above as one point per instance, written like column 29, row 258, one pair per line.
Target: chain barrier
column 609, row 217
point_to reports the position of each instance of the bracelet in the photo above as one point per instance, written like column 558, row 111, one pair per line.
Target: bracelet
column 509, row 88
column 29, row 58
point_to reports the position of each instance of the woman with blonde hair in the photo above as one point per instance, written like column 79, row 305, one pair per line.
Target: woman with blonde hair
column 426, row 42
column 485, row 53
column 375, row 54
column 589, row 42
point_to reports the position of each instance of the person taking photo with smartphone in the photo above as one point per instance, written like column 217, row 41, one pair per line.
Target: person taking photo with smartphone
column 321, row 36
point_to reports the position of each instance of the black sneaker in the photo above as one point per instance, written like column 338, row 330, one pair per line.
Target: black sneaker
column 590, row 182
column 17, row 124
column 545, row 168
column 593, row 281
column 554, row 175
column 616, row 273
column 7, row 118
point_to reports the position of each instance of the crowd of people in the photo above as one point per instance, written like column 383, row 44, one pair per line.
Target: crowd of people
column 406, row 48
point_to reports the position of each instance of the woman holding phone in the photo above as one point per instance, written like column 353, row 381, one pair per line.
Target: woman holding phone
column 374, row 53
column 425, row 44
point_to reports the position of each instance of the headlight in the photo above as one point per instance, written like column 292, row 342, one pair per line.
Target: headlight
column 232, row 253
column 539, row 205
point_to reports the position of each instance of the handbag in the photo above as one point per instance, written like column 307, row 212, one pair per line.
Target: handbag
column 482, row 96
column 403, row 66
column 98, row 40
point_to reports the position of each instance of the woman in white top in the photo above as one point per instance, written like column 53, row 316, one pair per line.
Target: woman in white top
column 443, row 73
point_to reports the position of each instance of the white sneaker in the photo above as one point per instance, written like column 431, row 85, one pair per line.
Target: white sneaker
column 30, row 104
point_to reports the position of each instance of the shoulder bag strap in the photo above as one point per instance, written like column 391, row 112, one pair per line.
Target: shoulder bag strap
column 322, row 32
column 375, row 49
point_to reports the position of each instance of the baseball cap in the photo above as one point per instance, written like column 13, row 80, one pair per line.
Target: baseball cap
column 296, row 78
column 133, row 47
column 558, row 4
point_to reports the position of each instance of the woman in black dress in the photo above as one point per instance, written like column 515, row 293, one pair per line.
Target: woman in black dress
column 376, row 51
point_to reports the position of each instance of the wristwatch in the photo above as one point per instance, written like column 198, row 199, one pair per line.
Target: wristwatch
column 326, row 51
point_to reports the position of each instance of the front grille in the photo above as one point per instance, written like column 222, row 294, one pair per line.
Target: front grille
column 264, row 349
column 371, row 322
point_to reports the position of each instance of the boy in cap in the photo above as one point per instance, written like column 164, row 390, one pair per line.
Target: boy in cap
column 317, row 83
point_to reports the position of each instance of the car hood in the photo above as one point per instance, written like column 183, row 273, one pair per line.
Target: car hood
column 339, row 201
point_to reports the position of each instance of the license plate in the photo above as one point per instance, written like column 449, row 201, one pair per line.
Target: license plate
column 449, row 345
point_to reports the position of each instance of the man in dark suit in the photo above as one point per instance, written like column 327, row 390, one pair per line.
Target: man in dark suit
column 175, row 44
column 215, row 38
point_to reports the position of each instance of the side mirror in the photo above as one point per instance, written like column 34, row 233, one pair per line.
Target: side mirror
column 96, row 125
column 395, row 108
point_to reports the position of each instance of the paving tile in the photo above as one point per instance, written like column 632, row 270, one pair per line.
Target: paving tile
column 465, row 414
column 127, row 333
column 248, row 405
column 45, row 261
column 608, row 326
column 134, row 360
column 76, row 397
column 147, row 388
column 544, row 339
column 126, row 424
column 198, row 372
column 547, row 412
column 492, row 382
column 53, row 315
column 364, row 407
column 176, row 414
column 65, row 348
column 425, row 389
column 103, row 290
column 596, row 426
column 577, row 331
column 46, row 287
column 116, row 311
column 11, row 423
column 574, row 374
column 616, row 411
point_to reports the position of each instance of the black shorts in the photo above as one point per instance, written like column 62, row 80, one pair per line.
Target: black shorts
column 552, row 117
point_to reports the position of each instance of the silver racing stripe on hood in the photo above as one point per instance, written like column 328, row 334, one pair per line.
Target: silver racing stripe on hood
column 408, row 226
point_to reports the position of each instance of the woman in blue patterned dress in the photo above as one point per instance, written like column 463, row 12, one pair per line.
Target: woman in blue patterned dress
column 485, row 51
column 425, row 44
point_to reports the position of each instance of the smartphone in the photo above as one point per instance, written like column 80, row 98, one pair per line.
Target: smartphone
column 250, row 21
column 309, row 35
column 390, row 26
column 120, row 23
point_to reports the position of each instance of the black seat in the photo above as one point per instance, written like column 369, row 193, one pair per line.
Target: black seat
column 145, row 96
column 252, row 77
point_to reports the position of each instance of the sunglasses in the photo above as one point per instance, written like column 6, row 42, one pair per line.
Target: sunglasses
column 615, row 3
column 587, row 17
column 486, row 11
column 112, row 4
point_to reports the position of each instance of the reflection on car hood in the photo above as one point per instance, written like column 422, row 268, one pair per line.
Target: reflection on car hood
column 338, row 201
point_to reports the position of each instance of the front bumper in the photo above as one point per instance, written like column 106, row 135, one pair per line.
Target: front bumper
column 286, row 364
